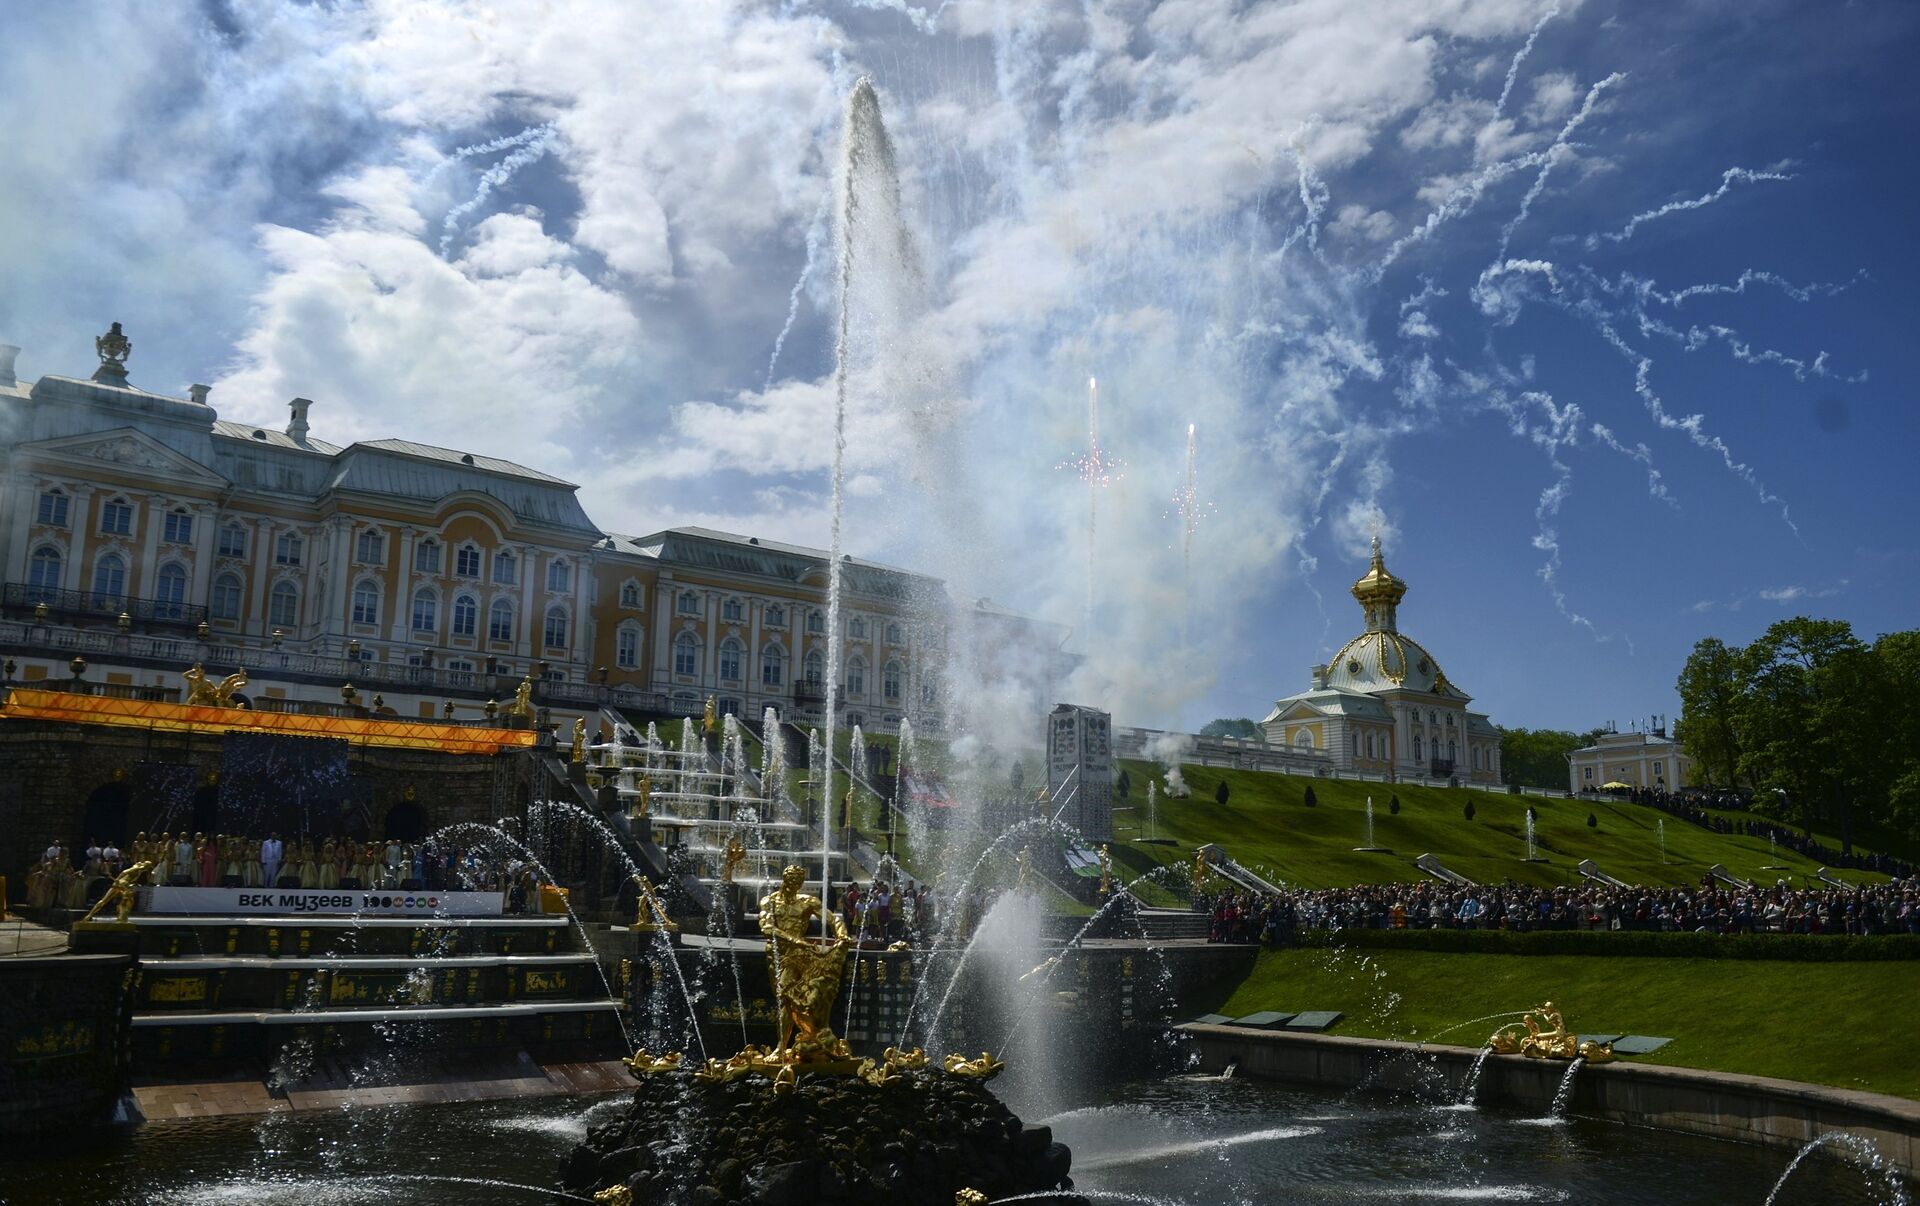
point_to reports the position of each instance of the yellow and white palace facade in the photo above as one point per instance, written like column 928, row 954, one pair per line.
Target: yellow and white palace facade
column 1382, row 707
column 141, row 533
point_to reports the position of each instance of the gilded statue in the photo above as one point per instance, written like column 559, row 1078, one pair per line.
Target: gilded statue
column 1201, row 872
column 969, row 1197
column 644, row 808
column 1547, row 1037
column 650, row 913
column 710, row 718
column 984, row 1068
column 203, row 692
column 615, row 1195
column 805, row 974
column 522, row 705
column 579, row 740
column 120, row 893
column 642, row 1064
column 1106, row 872
column 731, row 858
column 1024, row 861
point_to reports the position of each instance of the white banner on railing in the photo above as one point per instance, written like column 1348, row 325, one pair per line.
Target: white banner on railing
column 282, row 902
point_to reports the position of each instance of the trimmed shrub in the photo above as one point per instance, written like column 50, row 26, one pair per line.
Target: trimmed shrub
column 1310, row 800
column 1593, row 822
column 1393, row 805
column 1220, row 793
column 1123, row 786
column 1468, row 810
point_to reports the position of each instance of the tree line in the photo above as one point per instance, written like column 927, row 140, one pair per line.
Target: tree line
column 1818, row 724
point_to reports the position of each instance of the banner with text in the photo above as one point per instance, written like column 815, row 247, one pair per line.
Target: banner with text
column 281, row 902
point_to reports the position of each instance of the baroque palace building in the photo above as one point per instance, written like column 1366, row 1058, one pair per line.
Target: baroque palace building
column 1383, row 707
column 141, row 533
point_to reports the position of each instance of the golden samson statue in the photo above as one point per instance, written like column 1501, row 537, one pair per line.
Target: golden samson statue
column 805, row 974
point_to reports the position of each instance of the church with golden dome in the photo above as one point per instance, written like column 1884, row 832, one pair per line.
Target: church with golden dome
column 1382, row 706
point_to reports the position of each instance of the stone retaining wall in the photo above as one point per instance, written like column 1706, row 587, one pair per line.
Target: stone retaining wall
column 1753, row 1109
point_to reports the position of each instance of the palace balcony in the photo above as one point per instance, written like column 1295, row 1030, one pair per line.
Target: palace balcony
column 18, row 598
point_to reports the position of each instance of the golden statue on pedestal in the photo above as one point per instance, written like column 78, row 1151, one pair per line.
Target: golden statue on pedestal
column 579, row 740
column 120, row 894
column 710, row 718
column 644, row 808
column 984, row 1068
column 1201, row 872
column 1547, row 1037
column 650, row 913
column 805, row 974
column 642, row 1064
column 731, row 858
column 203, row 692
column 1106, row 872
column 522, row 706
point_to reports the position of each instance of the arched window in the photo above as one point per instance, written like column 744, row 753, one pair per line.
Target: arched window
column 288, row 548
column 226, row 597
column 43, row 574
column 773, row 666
column 366, row 603
column 890, row 679
column 178, row 527
column 500, row 621
column 53, row 509
column 1370, row 745
column 1451, row 756
column 893, row 634
column 233, row 541
column 857, row 629
column 426, row 556
column 170, row 592
column 1303, row 739
column 689, row 603
column 283, row 605
column 554, row 632
column 426, row 610
column 857, row 676
column 776, row 616
column 466, row 561
column 1353, row 745
column 1416, row 747
column 626, row 647
column 730, row 651
column 370, row 547
column 686, row 654
column 629, row 594
column 466, row 615
column 815, row 668
column 504, row 568
column 929, row 690
column 559, row 577
column 816, row 621
column 733, row 609
column 109, row 582
column 116, row 517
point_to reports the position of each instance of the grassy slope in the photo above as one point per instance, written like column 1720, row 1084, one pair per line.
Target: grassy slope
column 1265, row 826
column 1830, row 1023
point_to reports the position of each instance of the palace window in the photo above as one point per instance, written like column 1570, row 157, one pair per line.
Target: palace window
column 178, row 528
column 1451, row 754
column 466, row 615
column 729, row 707
column 233, row 541
column 1449, row 719
column 283, row 605
column 630, row 594
column 109, row 581
column 500, row 621
column 460, row 672
column 1416, row 747
column 776, row 616
column 893, row 634
column 116, row 517
column 1370, row 745
column 857, row 676
column 170, row 591
column 1303, row 739
column 43, row 573
column 1586, row 772
column 426, row 556
column 815, row 667
column 559, row 577
column 426, row 611
column 689, row 603
column 929, row 691
column 857, row 629
column 504, row 568
column 287, row 549
column 686, row 655
column 370, row 548
column 1656, row 770
column 773, row 666
column 53, row 509
column 366, row 603
column 730, row 651
column 466, row 561
column 890, row 680
column 733, row 610
column 226, row 597
column 816, row 621
column 554, row 632
column 626, row 647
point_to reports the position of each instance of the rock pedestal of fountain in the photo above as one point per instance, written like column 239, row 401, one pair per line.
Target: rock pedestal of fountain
column 921, row 1138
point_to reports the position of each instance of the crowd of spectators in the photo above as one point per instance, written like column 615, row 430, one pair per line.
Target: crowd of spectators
column 1711, row 908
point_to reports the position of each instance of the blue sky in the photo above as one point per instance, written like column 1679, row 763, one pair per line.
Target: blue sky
column 1281, row 223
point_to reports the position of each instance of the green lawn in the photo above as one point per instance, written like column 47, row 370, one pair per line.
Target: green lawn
column 1831, row 1023
column 1267, row 827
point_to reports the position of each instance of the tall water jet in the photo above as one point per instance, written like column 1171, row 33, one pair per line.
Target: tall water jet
column 1370, row 847
column 1660, row 825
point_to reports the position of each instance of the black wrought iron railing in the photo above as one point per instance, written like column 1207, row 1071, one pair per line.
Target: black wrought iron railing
column 1441, row 768
column 17, row 597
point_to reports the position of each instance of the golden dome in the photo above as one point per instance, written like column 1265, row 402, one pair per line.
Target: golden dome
column 1377, row 585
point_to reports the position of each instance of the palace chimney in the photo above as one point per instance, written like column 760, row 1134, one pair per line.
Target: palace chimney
column 198, row 393
column 1319, row 678
column 297, row 427
column 8, row 354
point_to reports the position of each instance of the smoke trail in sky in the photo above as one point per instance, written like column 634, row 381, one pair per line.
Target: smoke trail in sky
column 816, row 232
column 1520, row 56
column 1553, row 156
column 1728, row 179
column 1456, row 204
column 1755, row 276
column 503, row 143
column 495, row 176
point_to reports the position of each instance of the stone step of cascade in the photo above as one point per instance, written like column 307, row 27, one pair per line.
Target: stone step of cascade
column 173, row 936
column 1173, row 923
column 228, row 983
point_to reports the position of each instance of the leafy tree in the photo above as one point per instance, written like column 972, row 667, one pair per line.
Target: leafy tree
column 1713, row 687
column 1537, row 757
column 1393, row 805
column 1310, row 800
column 1230, row 727
column 1469, row 810
column 1810, row 688
column 1220, row 793
column 1123, row 785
